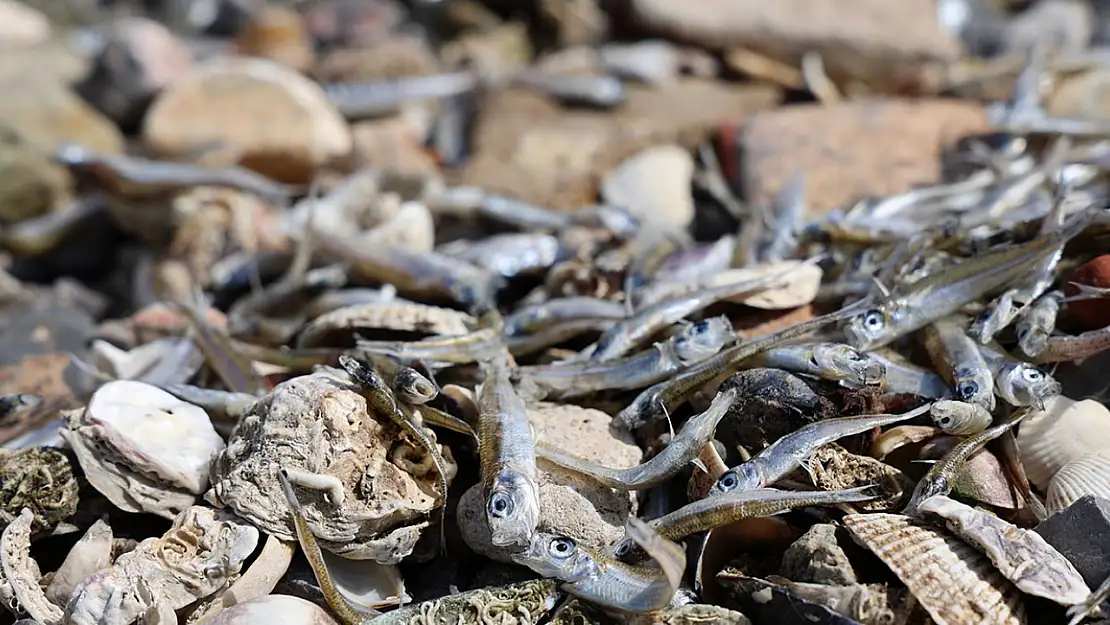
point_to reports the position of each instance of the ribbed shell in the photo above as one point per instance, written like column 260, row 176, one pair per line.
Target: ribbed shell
column 398, row 315
column 955, row 584
column 1064, row 431
column 1087, row 475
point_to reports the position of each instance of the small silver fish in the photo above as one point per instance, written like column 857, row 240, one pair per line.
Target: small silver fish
column 1018, row 382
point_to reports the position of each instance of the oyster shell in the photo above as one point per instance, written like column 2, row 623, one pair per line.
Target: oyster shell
column 953, row 582
column 273, row 609
column 524, row 602
column 317, row 428
column 143, row 448
column 21, row 573
column 200, row 554
column 398, row 314
column 91, row 554
column 1021, row 555
column 1064, row 431
column 1087, row 475
column 41, row 479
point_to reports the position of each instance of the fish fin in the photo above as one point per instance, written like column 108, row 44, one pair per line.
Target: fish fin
column 669, row 555
column 667, row 415
column 700, row 465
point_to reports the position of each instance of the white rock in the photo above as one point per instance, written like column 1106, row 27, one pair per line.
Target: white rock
column 654, row 185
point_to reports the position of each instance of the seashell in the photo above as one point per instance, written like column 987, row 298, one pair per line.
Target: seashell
column 365, row 582
column 20, row 574
column 1086, row 475
column 273, row 609
column 397, row 315
column 1022, row 556
column 91, row 554
column 953, row 582
column 959, row 418
column 797, row 288
column 899, row 436
column 412, row 229
column 1064, row 431
column 982, row 477
column 41, row 479
column 834, row 468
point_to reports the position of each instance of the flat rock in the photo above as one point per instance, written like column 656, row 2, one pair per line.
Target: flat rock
column 885, row 44
column 44, row 112
column 392, row 144
column 527, row 147
column 852, row 150
column 1081, row 532
column 277, row 33
column 277, row 121
column 393, row 57
column 30, row 182
column 817, row 557
column 570, row 504
column 1064, row 25
column 654, row 185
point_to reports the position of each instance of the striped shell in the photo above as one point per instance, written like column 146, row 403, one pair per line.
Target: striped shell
column 1064, row 431
column 953, row 582
column 1087, row 475
column 399, row 315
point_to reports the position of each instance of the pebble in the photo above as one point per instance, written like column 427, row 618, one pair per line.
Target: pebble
column 1081, row 533
column 853, row 149
column 279, row 34
column 882, row 43
column 817, row 557
column 527, row 147
column 30, row 183
column 392, row 144
column 395, row 57
column 140, row 57
column 570, row 504
column 655, row 187
column 1083, row 94
column 576, row 21
column 21, row 25
column 1090, row 314
column 279, row 122
column 45, row 112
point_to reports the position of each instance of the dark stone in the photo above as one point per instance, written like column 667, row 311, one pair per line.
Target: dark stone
column 770, row 404
column 1082, row 534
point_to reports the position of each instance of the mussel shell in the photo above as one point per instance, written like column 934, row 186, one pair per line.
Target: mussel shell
column 1086, row 475
column 953, row 582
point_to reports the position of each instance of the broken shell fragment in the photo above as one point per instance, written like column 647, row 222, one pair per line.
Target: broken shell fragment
column 953, row 582
column 41, row 479
column 796, row 288
column 524, row 602
column 398, row 315
column 1086, row 475
column 833, row 468
column 200, row 554
column 21, row 573
column 1064, row 431
column 91, row 554
column 1021, row 555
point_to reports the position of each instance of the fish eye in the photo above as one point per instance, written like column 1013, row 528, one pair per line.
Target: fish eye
column 700, row 327
column 1021, row 332
column 967, row 389
column 985, row 315
column 500, row 505
column 945, row 421
column 561, row 547
column 1032, row 374
column 728, row 481
column 873, row 320
column 623, row 548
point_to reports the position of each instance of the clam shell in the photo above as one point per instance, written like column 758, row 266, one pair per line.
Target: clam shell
column 1033, row 565
column 398, row 315
column 1086, row 475
column 1064, row 431
column 953, row 582
column 797, row 288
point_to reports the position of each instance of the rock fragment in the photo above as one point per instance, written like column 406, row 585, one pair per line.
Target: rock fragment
column 1082, row 533
column 817, row 557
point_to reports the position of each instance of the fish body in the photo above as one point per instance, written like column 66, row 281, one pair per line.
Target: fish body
column 957, row 356
column 830, row 361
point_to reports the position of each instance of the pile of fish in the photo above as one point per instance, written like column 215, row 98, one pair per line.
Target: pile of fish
column 386, row 397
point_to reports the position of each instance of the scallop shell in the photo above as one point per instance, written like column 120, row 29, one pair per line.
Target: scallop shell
column 1064, row 431
column 1086, row 475
column 953, row 582
column 398, row 315
column 1033, row 565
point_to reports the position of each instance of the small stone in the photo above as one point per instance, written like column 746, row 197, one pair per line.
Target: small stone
column 577, row 22
column 277, row 33
column 394, row 57
column 30, row 183
column 1083, row 94
column 1090, row 314
column 527, row 147
column 44, row 112
column 771, row 403
column 499, row 52
column 834, row 468
column 852, row 150
column 654, row 186
column 352, row 23
column 570, row 504
column 1081, row 532
column 20, row 25
column 279, row 122
column 887, row 45
column 817, row 557
column 140, row 57
column 392, row 144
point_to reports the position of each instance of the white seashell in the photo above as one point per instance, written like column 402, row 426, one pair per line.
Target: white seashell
column 654, row 185
column 1086, row 475
column 273, row 609
column 953, row 582
column 796, row 288
column 91, row 554
column 1064, row 431
column 154, row 432
column 1021, row 555
column 398, row 315
column 365, row 582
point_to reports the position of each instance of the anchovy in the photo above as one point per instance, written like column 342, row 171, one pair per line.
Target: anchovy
column 956, row 356
column 691, row 344
column 555, row 311
column 509, row 255
column 599, row 91
column 1018, row 382
column 1038, row 323
column 375, row 99
column 546, row 337
column 1064, row 348
column 830, row 361
column 790, row 209
column 791, row 451
column 227, row 405
column 236, row 371
column 903, row 376
column 508, row 458
column 604, row 580
column 682, row 449
column 959, row 418
column 465, row 348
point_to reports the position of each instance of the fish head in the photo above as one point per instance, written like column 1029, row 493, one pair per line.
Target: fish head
column 738, row 479
column 845, row 363
column 512, row 509
column 1023, row 384
column 555, row 556
column 1032, row 340
column 414, row 387
column 874, row 327
column 701, row 340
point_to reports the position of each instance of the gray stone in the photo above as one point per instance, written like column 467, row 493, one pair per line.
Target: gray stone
column 1082, row 533
column 818, row 558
